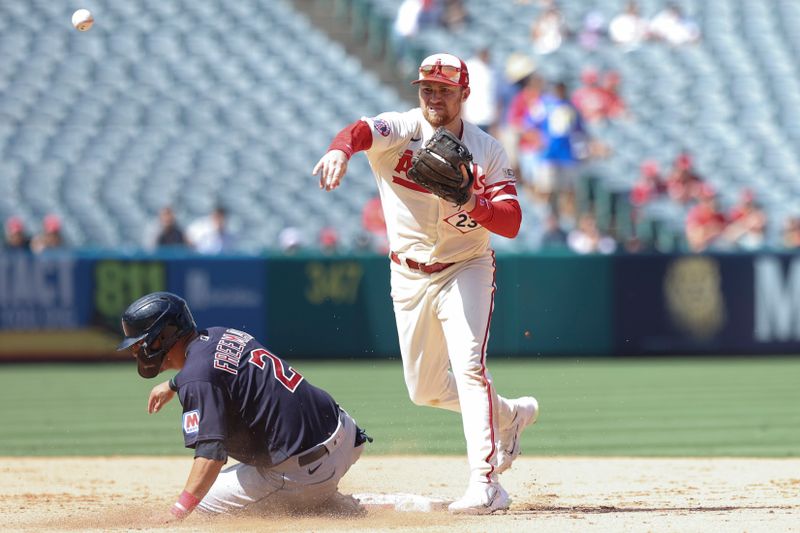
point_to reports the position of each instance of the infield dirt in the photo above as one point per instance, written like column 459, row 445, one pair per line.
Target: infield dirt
column 549, row 495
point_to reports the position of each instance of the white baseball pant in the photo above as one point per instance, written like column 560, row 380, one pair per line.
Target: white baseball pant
column 443, row 326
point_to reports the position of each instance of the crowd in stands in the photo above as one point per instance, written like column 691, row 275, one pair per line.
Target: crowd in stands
column 546, row 130
column 708, row 225
column 628, row 29
column 18, row 238
column 208, row 235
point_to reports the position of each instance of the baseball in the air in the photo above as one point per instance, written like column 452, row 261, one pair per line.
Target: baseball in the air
column 82, row 19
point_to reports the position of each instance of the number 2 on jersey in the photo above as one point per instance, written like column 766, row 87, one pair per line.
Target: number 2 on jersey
column 287, row 375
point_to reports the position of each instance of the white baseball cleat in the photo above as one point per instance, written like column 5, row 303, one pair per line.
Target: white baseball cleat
column 526, row 411
column 481, row 498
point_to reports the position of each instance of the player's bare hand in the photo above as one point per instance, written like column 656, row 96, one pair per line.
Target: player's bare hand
column 331, row 169
column 159, row 397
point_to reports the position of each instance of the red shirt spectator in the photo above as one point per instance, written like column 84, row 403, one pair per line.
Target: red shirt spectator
column 16, row 237
column 615, row 106
column 650, row 184
column 683, row 184
column 590, row 99
column 520, row 106
column 705, row 222
column 374, row 223
column 747, row 223
column 50, row 237
column 746, row 205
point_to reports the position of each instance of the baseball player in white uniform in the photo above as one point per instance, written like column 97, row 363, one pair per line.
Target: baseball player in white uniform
column 443, row 269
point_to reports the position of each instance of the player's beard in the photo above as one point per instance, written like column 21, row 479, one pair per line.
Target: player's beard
column 439, row 117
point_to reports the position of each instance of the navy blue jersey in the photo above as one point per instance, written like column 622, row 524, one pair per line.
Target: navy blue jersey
column 234, row 390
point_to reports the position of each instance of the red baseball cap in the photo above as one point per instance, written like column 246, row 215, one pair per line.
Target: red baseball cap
column 443, row 68
column 52, row 223
column 14, row 225
column 649, row 167
column 683, row 161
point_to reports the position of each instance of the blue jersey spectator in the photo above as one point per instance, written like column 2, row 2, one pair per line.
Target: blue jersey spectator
column 563, row 138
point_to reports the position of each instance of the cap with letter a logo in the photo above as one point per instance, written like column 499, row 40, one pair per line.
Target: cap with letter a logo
column 443, row 68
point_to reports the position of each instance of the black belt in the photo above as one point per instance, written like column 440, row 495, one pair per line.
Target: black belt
column 317, row 452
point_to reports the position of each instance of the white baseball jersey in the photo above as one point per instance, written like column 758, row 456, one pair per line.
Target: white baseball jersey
column 419, row 224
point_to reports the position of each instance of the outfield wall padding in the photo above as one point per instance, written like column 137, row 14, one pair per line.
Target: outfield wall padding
column 68, row 305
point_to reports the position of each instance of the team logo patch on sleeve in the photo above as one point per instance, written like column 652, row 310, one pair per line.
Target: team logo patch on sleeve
column 382, row 127
column 191, row 422
column 509, row 173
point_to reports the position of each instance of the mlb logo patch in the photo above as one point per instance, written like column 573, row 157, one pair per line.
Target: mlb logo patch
column 191, row 421
column 383, row 127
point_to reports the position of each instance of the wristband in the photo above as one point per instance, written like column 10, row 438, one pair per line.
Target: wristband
column 172, row 385
column 185, row 505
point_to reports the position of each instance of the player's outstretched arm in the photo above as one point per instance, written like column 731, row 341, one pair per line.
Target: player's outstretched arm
column 159, row 397
column 331, row 169
column 202, row 476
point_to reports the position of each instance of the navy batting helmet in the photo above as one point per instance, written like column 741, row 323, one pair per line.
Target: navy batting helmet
column 161, row 316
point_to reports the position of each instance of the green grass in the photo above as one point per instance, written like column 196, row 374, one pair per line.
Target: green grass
column 655, row 407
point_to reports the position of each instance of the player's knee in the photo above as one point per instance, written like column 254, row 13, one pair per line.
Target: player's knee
column 418, row 398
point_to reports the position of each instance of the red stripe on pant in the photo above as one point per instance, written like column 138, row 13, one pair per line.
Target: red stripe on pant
column 483, row 371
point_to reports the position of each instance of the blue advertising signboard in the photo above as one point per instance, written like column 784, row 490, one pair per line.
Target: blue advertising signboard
column 707, row 304
column 222, row 292
column 48, row 292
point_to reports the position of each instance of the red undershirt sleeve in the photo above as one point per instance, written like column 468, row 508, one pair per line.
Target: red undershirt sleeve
column 353, row 138
column 503, row 217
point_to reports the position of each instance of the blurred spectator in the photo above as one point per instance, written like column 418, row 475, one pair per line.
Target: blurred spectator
column 528, row 138
column 598, row 96
column 747, row 224
column 374, row 225
column 563, row 140
column 671, row 26
column 406, row 26
column 167, row 232
column 705, row 222
column 554, row 236
column 549, row 30
column 791, row 233
column 650, row 184
column 683, row 183
column 290, row 240
column 51, row 236
column 210, row 235
column 586, row 238
column 592, row 32
column 635, row 245
column 455, row 18
column 329, row 240
column 628, row 29
column 481, row 107
column 518, row 67
column 431, row 13
column 16, row 238
column 615, row 106
column 590, row 99
column 517, row 72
